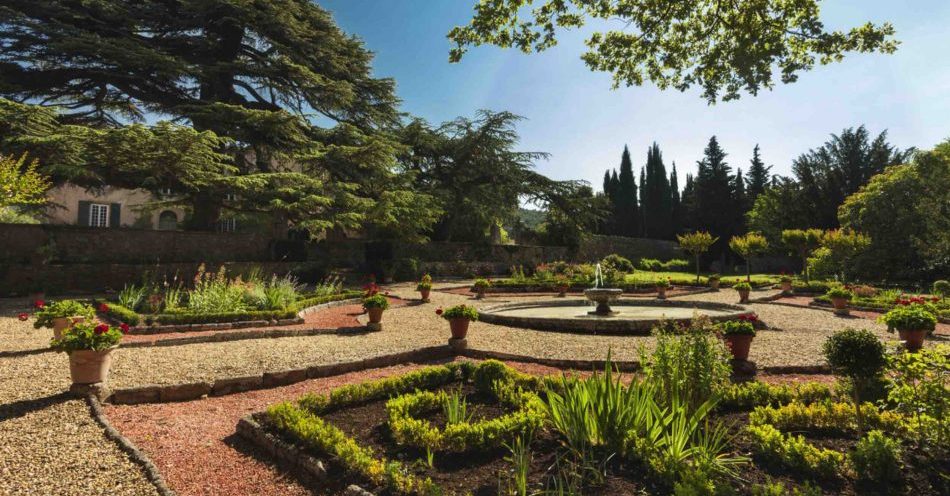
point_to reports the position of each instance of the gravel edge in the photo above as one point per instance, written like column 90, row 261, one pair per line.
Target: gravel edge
column 135, row 454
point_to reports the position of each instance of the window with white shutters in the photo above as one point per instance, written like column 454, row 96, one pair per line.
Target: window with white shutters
column 98, row 215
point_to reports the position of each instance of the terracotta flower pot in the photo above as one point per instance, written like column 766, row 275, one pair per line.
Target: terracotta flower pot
column 479, row 294
column 60, row 324
column 743, row 295
column 787, row 287
column 90, row 367
column 739, row 344
column 424, row 293
column 841, row 305
column 459, row 328
column 661, row 293
column 913, row 338
column 375, row 315
column 714, row 283
column 561, row 291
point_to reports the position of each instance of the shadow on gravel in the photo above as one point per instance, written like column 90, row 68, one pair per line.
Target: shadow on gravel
column 19, row 409
column 316, row 488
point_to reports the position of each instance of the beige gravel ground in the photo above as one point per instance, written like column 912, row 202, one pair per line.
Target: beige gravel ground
column 50, row 445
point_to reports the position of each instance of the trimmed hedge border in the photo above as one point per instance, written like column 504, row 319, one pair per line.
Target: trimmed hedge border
column 822, row 301
column 127, row 446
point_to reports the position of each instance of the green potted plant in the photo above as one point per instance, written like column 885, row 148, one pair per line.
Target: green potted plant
column 738, row 335
column 912, row 322
column 425, row 287
column 840, row 297
column 561, row 285
column 714, row 281
column 375, row 305
column 743, row 288
column 661, row 286
column 480, row 286
column 61, row 315
column 89, row 345
column 786, row 282
column 459, row 317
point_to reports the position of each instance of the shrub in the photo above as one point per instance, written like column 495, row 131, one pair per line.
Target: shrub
column 405, row 269
column 786, row 279
column 942, row 288
column 122, row 314
column 910, row 318
column 662, row 283
column 460, row 312
column 64, row 308
column 779, row 489
column 488, row 373
column 618, row 263
column 876, row 458
column 742, row 286
column 691, row 362
column 859, row 356
column 696, row 244
column 214, row 293
column 794, row 452
column 918, row 385
column 736, row 328
column 88, row 336
column 824, row 417
column 839, row 292
column 481, row 284
column 376, row 301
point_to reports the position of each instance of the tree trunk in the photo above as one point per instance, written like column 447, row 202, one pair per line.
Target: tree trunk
column 205, row 212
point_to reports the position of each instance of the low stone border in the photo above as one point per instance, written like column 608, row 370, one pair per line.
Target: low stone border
column 231, row 385
column 287, row 456
column 127, row 446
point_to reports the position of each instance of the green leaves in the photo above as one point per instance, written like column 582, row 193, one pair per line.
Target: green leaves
column 725, row 48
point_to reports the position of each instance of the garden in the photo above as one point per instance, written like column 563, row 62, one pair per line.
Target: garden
column 680, row 427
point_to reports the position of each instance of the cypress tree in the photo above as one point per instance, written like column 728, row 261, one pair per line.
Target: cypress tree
column 626, row 197
column 656, row 197
column 740, row 201
column 688, row 202
column 675, row 202
column 713, row 196
column 759, row 176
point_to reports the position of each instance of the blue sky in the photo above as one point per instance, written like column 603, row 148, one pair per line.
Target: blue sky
column 573, row 114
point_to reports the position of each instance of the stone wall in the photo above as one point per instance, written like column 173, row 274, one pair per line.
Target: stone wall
column 597, row 247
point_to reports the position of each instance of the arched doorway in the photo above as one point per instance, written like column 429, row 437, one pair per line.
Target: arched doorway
column 167, row 221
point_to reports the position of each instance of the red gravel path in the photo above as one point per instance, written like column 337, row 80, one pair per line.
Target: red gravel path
column 197, row 451
column 195, row 447
column 330, row 318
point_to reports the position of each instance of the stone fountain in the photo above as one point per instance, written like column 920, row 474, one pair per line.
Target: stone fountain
column 602, row 296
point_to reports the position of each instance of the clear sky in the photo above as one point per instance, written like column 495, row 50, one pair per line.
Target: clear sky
column 574, row 114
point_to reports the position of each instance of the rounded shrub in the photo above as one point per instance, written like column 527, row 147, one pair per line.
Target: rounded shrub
column 839, row 292
column 942, row 288
column 376, row 301
column 855, row 353
column 618, row 263
column 487, row 373
column 876, row 459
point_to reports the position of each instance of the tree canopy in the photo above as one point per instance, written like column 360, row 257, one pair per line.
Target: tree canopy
column 722, row 47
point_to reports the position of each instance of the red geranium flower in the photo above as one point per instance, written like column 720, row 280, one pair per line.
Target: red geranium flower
column 935, row 299
column 39, row 304
column 438, row 311
column 101, row 329
column 23, row 316
column 103, row 307
column 124, row 327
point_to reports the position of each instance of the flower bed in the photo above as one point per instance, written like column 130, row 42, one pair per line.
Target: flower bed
column 889, row 302
column 485, row 429
column 182, row 321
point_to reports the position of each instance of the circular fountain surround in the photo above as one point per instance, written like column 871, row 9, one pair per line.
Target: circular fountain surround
column 628, row 316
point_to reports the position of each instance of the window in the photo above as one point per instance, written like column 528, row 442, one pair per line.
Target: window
column 165, row 192
column 98, row 215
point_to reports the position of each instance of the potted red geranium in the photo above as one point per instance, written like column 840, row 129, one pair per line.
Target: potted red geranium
column 738, row 335
column 375, row 305
column 661, row 286
column 89, row 346
column 561, row 285
column 424, row 287
column 840, row 297
column 480, row 286
column 912, row 322
column 459, row 317
column 743, row 288
column 61, row 315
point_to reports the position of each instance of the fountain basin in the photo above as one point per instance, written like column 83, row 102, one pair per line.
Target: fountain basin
column 627, row 317
column 602, row 297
